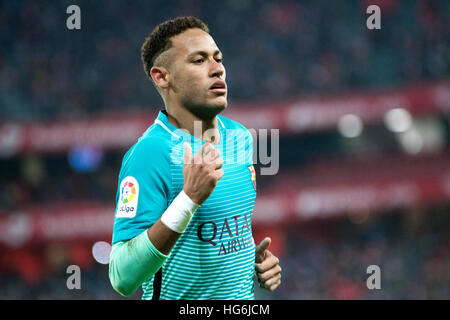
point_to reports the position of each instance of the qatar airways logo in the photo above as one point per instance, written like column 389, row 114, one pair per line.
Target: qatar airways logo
column 237, row 234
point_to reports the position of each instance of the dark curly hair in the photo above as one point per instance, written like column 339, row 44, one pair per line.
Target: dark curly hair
column 159, row 39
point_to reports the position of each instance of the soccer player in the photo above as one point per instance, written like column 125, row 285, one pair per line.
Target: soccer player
column 187, row 188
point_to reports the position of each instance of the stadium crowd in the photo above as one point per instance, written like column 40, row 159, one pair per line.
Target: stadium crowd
column 272, row 50
column 38, row 179
column 320, row 260
column 410, row 247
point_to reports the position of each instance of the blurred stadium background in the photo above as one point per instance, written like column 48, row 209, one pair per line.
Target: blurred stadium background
column 364, row 124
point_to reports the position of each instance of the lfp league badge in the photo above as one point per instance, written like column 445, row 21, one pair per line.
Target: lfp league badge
column 253, row 175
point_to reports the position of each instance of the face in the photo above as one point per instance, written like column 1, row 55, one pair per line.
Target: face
column 197, row 75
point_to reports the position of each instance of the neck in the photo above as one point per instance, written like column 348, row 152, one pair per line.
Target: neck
column 203, row 129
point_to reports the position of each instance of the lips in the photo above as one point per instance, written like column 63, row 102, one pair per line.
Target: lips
column 218, row 87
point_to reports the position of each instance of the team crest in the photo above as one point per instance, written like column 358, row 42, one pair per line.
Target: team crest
column 253, row 175
column 128, row 198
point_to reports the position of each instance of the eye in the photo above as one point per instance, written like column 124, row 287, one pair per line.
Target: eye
column 198, row 61
column 220, row 60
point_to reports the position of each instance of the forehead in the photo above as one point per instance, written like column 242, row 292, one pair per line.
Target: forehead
column 193, row 40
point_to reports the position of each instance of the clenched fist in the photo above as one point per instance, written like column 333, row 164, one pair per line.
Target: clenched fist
column 201, row 172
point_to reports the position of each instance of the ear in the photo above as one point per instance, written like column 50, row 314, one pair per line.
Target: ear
column 160, row 76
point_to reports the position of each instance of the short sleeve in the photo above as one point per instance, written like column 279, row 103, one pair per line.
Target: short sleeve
column 143, row 189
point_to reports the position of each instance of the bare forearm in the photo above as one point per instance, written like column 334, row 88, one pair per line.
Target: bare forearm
column 162, row 237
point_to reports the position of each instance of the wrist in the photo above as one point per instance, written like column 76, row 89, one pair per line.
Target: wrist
column 192, row 196
column 179, row 213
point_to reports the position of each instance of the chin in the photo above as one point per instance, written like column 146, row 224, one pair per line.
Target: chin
column 220, row 103
column 209, row 111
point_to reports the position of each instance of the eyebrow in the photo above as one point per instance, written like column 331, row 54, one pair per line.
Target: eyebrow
column 204, row 53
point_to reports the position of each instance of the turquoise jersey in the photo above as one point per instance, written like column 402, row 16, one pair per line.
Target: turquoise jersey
column 215, row 257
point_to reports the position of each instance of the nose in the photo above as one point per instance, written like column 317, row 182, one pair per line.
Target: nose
column 217, row 69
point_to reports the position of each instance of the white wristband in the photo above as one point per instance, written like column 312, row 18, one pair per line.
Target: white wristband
column 178, row 215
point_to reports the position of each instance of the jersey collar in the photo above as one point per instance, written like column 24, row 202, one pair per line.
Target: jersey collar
column 177, row 133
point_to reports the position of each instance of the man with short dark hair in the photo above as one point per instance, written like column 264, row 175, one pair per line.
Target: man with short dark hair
column 182, row 225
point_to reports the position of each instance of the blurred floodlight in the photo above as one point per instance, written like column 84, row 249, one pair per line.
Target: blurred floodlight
column 10, row 137
column 411, row 141
column 350, row 126
column 85, row 159
column 433, row 133
column 425, row 135
column 398, row 120
column 101, row 251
